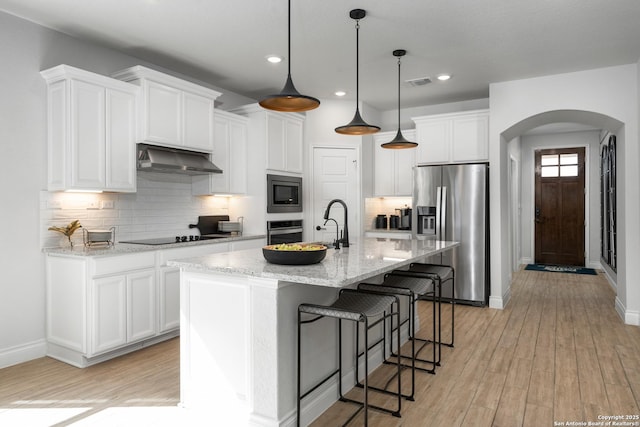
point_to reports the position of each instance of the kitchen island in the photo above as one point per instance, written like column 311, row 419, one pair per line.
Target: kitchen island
column 238, row 327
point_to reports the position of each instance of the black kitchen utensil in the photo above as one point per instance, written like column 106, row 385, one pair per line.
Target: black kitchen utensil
column 208, row 224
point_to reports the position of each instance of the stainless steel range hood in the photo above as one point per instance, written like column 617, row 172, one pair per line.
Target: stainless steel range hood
column 152, row 158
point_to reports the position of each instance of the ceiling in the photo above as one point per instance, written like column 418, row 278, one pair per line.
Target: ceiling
column 225, row 42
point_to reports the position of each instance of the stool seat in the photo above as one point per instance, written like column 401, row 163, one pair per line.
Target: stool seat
column 443, row 271
column 351, row 306
column 400, row 284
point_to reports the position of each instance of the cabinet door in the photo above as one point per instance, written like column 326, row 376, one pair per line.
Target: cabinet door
column 198, row 122
column 293, row 146
column 163, row 114
column 434, row 141
column 120, row 141
column 470, row 137
column 141, row 305
column 275, row 142
column 108, row 314
column 87, row 136
column 383, row 173
column 404, row 160
column 220, row 156
column 169, row 299
column 238, row 140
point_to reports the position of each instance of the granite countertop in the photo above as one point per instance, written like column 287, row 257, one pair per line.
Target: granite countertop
column 129, row 248
column 365, row 258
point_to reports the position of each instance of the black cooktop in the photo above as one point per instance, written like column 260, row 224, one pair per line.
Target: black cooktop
column 175, row 239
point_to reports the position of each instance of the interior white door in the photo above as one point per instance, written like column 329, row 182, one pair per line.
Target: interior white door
column 335, row 176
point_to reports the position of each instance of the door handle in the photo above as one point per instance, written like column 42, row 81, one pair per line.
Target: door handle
column 538, row 215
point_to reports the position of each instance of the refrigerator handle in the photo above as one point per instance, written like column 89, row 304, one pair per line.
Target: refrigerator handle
column 438, row 213
column 443, row 214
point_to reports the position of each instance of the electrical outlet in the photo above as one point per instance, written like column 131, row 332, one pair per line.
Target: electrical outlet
column 93, row 204
column 107, row 204
column 55, row 204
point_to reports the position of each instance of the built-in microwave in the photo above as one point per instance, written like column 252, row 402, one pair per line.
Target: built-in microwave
column 284, row 194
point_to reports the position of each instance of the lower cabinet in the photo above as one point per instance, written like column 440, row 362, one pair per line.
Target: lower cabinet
column 123, row 310
column 102, row 307
column 99, row 308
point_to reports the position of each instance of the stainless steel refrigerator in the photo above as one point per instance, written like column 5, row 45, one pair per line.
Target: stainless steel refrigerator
column 451, row 202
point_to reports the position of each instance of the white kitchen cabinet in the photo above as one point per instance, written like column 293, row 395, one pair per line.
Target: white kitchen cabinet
column 98, row 308
column 281, row 133
column 393, row 168
column 123, row 310
column 173, row 112
column 229, row 154
column 91, row 123
column 453, row 137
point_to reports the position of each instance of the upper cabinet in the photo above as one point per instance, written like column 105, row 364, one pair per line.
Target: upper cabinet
column 91, row 122
column 174, row 112
column 229, row 154
column 282, row 134
column 453, row 138
column 393, row 170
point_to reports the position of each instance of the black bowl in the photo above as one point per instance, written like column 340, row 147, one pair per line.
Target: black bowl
column 284, row 257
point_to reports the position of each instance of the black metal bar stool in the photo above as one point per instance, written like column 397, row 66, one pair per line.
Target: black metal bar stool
column 408, row 285
column 359, row 307
column 441, row 274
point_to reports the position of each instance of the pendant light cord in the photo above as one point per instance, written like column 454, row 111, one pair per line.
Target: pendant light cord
column 357, row 64
column 398, row 93
column 289, row 39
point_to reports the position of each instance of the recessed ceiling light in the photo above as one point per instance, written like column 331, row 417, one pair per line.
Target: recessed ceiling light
column 340, row 93
column 444, row 77
column 274, row 59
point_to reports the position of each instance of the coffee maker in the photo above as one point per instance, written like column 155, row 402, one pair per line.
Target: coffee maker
column 404, row 215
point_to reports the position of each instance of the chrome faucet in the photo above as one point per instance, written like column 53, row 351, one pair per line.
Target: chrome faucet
column 345, row 235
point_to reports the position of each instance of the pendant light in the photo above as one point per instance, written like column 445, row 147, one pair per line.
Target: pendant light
column 289, row 99
column 399, row 141
column 357, row 126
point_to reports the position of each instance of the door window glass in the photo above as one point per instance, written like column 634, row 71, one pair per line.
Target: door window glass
column 568, row 165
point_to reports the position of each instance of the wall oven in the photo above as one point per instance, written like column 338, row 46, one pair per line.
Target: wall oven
column 284, row 194
column 289, row 231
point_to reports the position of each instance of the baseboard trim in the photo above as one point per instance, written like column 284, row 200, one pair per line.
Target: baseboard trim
column 22, row 353
column 500, row 302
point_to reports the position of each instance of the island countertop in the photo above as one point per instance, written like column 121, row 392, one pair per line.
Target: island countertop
column 364, row 258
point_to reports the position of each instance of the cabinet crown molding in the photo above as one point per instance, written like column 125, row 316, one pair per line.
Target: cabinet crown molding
column 456, row 114
column 139, row 72
column 256, row 108
column 63, row 71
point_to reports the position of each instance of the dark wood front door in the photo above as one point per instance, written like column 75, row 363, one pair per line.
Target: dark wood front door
column 559, row 206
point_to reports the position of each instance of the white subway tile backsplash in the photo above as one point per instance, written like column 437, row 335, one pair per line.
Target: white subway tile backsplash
column 162, row 206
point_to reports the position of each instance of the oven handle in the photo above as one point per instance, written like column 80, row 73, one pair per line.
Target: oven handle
column 285, row 231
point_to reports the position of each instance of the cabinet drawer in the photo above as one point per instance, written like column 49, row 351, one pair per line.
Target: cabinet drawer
column 122, row 263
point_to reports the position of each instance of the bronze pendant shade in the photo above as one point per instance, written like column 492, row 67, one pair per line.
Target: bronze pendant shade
column 357, row 126
column 289, row 99
column 399, row 141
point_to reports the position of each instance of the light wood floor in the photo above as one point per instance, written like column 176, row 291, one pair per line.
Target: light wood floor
column 558, row 352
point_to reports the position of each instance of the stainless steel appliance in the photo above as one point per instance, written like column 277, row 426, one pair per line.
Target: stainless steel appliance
column 284, row 193
column 152, row 158
column 452, row 203
column 404, row 218
column 287, row 231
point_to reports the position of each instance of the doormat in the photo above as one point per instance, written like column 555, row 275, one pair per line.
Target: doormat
column 560, row 269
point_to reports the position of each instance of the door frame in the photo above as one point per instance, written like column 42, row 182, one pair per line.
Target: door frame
column 355, row 229
column 587, row 190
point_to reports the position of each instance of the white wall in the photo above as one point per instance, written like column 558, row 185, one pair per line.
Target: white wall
column 588, row 139
column 609, row 96
column 26, row 49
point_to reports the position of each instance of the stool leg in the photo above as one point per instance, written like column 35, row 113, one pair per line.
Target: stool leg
column 298, row 375
column 366, row 370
